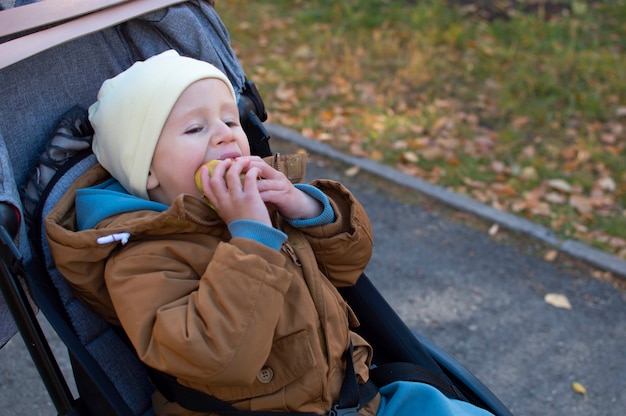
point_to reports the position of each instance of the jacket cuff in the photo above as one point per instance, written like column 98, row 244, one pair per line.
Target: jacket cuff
column 326, row 217
column 258, row 232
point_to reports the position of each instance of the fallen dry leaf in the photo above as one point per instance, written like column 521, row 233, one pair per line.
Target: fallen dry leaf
column 410, row 157
column 542, row 209
column 284, row 93
column 555, row 198
column 503, row 190
column 551, row 255
column 560, row 185
column 493, row 230
column 357, row 150
column 377, row 155
column 608, row 138
column 353, row 171
column 606, row 184
column 529, row 173
column 518, row 205
column 432, row 153
column 473, row 183
column 498, row 167
column 582, row 204
column 579, row 388
column 557, row 300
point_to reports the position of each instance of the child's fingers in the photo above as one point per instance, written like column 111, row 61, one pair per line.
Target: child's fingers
column 266, row 170
column 251, row 180
column 214, row 184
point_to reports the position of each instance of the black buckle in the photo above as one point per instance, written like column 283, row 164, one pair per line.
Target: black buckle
column 254, row 102
column 252, row 114
column 346, row 411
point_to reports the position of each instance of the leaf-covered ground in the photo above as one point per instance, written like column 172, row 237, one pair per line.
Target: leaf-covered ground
column 518, row 104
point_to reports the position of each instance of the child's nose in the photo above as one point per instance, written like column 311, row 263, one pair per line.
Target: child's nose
column 223, row 134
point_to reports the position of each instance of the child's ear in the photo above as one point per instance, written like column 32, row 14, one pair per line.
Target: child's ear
column 152, row 181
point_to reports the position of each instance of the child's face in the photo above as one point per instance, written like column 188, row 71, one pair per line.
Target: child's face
column 203, row 125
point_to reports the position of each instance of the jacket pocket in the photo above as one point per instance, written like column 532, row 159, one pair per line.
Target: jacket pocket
column 290, row 359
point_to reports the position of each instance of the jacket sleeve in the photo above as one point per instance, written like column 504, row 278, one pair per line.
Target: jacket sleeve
column 210, row 324
column 343, row 247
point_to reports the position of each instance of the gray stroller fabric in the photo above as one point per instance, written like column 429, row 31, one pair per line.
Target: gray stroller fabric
column 7, row 4
column 9, row 193
column 37, row 91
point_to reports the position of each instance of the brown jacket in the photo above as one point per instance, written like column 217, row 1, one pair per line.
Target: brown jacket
column 262, row 329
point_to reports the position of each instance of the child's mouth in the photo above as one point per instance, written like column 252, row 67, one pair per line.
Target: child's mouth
column 232, row 155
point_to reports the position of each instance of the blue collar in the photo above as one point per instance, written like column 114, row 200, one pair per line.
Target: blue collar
column 104, row 200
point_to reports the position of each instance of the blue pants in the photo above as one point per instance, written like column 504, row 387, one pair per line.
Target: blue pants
column 409, row 398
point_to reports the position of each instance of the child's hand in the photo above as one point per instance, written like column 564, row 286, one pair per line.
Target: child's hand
column 276, row 189
column 232, row 197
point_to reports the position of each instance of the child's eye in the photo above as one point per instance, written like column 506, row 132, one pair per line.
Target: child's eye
column 194, row 130
column 232, row 123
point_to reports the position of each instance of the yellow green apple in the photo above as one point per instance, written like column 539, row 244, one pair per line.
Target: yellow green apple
column 211, row 165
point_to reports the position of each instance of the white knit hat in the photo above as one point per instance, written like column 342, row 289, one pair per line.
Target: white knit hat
column 132, row 109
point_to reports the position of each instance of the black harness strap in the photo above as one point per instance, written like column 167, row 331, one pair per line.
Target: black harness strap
column 352, row 396
column 349, row 396
column 197, row 401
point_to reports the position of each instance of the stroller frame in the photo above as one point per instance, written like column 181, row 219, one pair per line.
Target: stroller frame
column 16, row 267
column 11, row 274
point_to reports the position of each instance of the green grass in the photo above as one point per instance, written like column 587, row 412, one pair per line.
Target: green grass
column 452, row 98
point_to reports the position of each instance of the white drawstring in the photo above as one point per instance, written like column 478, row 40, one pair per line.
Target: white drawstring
column 106, row 239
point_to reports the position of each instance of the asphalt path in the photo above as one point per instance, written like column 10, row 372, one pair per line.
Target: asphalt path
column 478, row 293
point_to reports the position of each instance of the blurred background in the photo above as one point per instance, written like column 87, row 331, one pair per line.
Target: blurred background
column 520, row 105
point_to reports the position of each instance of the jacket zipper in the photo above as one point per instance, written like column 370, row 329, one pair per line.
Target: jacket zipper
column 291, row 253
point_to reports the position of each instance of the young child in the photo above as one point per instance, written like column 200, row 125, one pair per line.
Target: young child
column 236, row 297
column 238, row 301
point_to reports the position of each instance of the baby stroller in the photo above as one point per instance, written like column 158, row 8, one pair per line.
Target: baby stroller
column 57, row 60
